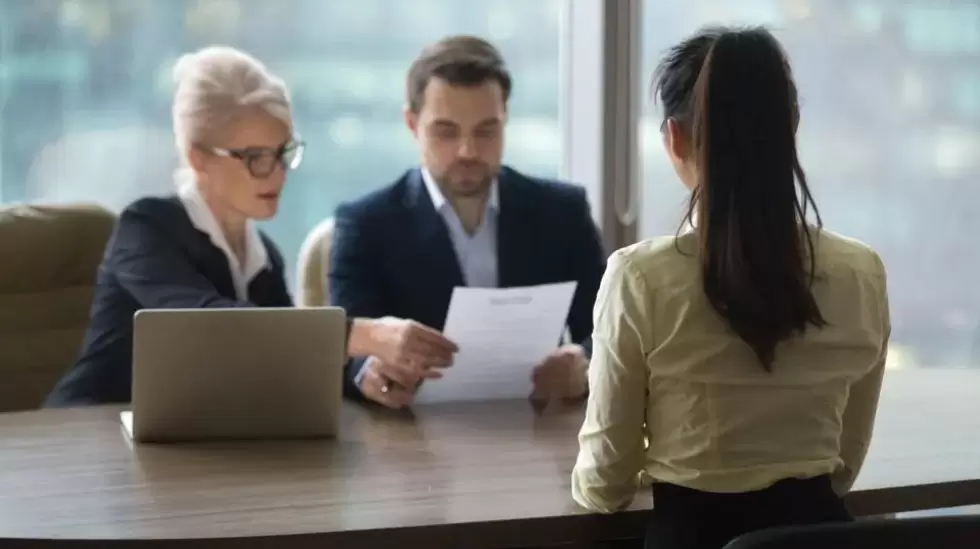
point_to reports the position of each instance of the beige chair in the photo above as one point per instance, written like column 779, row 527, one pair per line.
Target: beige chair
column 313, row 287
column 50, row 255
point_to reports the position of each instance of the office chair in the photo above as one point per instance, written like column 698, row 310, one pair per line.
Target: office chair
column 957, row 532
column 50, row 256
column 313, row 268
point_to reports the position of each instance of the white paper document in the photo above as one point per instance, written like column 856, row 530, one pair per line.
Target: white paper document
column 502, row 334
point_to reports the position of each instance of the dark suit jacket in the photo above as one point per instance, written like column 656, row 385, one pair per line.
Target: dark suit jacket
column 392, row 254
column 155, row 259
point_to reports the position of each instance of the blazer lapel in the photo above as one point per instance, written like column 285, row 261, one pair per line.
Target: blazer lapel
column 514, row 237
column 434, row 243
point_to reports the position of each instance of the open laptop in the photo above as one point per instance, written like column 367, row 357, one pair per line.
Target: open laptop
column 236, row 373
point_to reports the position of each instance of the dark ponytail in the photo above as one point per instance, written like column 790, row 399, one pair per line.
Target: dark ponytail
column 732, row 93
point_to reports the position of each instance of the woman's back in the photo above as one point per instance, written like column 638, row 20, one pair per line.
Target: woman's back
column 715, row 420
column 750, row 350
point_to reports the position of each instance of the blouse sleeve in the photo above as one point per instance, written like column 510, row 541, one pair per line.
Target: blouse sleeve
column 858, row 421
column 611, row 441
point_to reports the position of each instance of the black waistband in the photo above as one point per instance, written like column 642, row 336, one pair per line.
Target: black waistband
column 683, row 517
column 788, row 491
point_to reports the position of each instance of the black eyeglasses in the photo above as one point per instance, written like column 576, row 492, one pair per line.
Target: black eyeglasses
column 262, row 161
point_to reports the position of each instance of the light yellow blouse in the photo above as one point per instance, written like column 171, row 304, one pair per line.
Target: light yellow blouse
column 667, row 369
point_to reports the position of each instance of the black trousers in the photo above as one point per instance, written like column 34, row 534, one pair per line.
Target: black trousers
column 683, row 518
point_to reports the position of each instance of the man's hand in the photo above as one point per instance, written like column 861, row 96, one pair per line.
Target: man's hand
column 379, row 385
column 398, row 341
column 562, row 375
column 409, row 350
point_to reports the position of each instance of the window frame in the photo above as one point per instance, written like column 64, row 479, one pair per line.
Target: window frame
column 600, row 107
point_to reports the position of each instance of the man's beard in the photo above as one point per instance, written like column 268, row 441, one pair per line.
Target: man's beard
column 467, row 187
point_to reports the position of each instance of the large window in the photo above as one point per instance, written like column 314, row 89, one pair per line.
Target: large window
column 85, row 90
column 890, row 140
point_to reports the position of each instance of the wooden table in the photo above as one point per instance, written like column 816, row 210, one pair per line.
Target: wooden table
column 465, row 475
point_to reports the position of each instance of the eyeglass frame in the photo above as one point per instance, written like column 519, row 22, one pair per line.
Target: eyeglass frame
column 249, row 155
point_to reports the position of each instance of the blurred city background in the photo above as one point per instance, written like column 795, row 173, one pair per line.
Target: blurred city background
column 890, row 133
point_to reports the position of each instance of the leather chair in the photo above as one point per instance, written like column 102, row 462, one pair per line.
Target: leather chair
column 313, row 286
column 50, row 255
column 945, row 532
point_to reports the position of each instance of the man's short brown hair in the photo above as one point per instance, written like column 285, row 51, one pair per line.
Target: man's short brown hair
column 459, row 60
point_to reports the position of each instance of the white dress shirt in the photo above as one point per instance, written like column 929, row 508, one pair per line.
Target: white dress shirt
column 203, row 219
column 477, row 252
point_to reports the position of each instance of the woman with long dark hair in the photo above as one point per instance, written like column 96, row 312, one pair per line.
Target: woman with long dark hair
column 738, row 364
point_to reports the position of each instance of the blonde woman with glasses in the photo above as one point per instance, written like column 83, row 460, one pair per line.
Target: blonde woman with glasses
column 233, row 125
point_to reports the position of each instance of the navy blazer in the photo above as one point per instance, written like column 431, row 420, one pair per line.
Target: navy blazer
column 392, row 254
column 155, row 259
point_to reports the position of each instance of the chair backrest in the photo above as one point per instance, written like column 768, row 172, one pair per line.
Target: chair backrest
column 313, row 286
column 50, row 256
column 956, row 532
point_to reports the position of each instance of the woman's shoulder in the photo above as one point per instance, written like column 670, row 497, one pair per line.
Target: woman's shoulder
column 660, row 260
column 153, row 219
column 652, row 250
column 164, row 208
column 835, row 250
column 160, row 214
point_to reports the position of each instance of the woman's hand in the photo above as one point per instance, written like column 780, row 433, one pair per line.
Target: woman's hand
column 385, row 385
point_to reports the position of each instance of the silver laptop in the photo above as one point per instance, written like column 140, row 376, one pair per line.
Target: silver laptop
column 236, row 373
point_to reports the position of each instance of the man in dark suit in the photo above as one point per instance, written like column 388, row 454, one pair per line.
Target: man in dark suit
column 462, row 218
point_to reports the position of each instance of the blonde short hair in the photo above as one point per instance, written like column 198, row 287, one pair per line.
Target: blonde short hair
column 216, row 86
